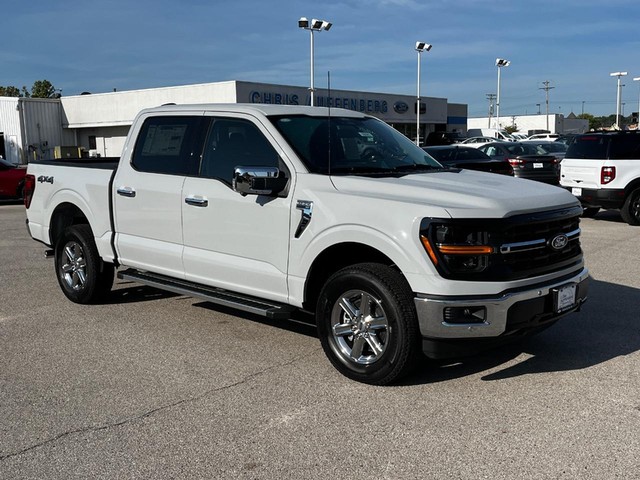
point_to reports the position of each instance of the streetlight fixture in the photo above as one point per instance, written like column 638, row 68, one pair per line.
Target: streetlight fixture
column 500, row 62
column 619, row 95
column 420, row 47
column 637, row 79
column 315, row 25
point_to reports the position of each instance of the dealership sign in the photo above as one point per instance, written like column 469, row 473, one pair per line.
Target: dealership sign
column 388, row 107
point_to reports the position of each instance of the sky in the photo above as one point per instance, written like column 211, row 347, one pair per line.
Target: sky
column 89, row 46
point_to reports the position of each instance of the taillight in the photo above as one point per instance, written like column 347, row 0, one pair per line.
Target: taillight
column 29, row 187
column 607, row 175
column 516, row 162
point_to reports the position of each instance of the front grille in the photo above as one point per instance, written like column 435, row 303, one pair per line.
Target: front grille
column 522, row 245
column 525, row 249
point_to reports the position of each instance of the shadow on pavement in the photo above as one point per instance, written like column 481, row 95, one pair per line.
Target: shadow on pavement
column 136, row 293
column 606, row 328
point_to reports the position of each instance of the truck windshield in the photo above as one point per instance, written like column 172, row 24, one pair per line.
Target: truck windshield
column 352, row 146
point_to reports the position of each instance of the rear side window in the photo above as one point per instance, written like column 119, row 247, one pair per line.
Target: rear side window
column 589, row 146
column 625, row 147
column 168, row 145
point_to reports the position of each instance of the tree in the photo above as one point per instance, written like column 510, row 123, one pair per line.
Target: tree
column 42, row 89
column 10, row 91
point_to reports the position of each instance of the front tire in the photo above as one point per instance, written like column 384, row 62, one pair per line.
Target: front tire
column 367, row 323
column 83, row 276
column 630, row 211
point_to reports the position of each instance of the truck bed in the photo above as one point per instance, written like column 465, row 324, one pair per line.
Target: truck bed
column 82, row 183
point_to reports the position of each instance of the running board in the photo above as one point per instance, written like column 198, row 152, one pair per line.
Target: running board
column 219, row 296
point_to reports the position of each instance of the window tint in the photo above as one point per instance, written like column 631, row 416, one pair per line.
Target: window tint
column 168, row 145
column 470, row 154
column 491, row 151
column 589, row 146
column 232, row 143
column 345, row 145
column 626, row 146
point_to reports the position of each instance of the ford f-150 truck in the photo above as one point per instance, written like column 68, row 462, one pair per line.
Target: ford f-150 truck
column 272, row 209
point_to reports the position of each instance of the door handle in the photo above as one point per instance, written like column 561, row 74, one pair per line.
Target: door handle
column 126, row 192
column 197, row 202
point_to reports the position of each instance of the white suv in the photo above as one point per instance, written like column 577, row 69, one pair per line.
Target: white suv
column 603, row 171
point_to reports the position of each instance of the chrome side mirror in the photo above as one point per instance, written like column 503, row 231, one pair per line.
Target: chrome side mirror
column 258, row 180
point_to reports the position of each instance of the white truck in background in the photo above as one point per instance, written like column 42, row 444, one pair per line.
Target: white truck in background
column 272, row 209
column 499, row 135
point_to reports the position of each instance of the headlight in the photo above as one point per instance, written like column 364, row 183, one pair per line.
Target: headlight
column 457, row 249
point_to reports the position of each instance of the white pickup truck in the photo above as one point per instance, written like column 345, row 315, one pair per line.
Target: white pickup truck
column 272, row 209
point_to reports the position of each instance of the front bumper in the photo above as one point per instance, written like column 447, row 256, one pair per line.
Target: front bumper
column 509, row 313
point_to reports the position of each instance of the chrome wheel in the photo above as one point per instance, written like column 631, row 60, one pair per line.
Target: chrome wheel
column 74, row 266
column 360, row 327
column 367, row 323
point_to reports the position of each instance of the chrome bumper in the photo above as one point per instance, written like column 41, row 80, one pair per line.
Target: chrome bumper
column 431, row 310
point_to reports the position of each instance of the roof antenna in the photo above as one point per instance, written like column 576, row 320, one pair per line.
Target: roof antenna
column 329, row 120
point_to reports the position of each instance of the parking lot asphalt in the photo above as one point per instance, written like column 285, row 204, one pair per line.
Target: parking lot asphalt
column 155, row 385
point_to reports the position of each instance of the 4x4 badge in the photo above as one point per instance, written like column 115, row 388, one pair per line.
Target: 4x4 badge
column 559, row 242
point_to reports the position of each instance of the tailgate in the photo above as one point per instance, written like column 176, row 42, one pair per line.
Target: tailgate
column 583, row 173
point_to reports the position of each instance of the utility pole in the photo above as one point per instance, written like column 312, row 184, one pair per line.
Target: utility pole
column 546, row 88
column 491, row 97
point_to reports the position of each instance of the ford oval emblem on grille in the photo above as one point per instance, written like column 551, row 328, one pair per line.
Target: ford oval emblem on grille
column 559, row 242
column 400, row 107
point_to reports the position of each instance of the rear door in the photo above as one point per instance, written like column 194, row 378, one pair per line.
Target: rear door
column 148, row 192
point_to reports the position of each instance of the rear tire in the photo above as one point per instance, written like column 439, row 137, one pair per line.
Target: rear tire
column 630, row 211
column 367, row 323
column 83, row 276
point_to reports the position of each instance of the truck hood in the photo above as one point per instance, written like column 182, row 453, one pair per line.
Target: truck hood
column 462, row 193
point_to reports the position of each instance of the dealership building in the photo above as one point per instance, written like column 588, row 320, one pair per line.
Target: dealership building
column 98, row 123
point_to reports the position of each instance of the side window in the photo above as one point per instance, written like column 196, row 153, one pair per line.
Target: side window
column 625, row 147
column 232, row 143
column 168, row 145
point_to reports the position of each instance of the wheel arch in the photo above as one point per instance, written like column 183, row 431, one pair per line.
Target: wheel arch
column 337, row 257
column 64, row 215
column 631, row 187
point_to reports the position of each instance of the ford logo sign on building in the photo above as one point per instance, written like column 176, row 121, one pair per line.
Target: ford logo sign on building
column 400, row 107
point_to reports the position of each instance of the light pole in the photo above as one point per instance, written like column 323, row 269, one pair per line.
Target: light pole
column 619, row 95
column 420, row 47
column 637, row 79
column 314, row 26
column 500, row 62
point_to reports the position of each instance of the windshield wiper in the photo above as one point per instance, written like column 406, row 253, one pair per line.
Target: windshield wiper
column 416, row 167
column 360, row 170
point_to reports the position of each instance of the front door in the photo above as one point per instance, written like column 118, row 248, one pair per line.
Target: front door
column 236, row 242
